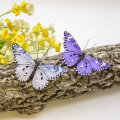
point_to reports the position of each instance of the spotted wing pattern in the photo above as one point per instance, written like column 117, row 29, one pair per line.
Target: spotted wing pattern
column 89, row 64
column 25, row 63
column 44, row 73
column 70, row 44
column 72, row 50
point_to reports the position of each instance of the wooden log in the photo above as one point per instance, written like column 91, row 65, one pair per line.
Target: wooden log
column 22, row 97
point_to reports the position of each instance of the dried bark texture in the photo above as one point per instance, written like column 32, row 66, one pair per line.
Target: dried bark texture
column 22, row 97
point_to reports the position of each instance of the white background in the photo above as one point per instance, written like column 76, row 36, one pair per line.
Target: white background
column 98, row 20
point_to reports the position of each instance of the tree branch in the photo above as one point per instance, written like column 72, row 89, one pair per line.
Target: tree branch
column 22, row 97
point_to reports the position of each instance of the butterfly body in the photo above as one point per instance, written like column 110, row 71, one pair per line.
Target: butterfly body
column 28, row 68
column 74, row 56
column 35, row 68
column 80, row 57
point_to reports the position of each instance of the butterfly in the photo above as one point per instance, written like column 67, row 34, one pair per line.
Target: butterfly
column 28, row 68
column 85, row 65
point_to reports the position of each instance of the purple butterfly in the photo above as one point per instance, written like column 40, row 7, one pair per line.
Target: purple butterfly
column 73, row 56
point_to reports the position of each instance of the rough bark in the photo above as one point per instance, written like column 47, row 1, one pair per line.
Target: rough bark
column 22, row 97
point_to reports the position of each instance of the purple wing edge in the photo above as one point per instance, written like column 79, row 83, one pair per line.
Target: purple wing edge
column 65, row 32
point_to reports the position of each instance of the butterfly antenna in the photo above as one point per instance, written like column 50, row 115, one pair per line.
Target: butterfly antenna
column 45, row 53
column 86, row 44
column 91, row 47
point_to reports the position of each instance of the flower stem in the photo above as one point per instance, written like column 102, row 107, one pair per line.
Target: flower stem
column 9, row 11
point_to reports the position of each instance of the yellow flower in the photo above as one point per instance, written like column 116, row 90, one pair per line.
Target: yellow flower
column 4, row 61
column 39, row 26
column 30, row 8
column 31, row 36
column 45, row 33
column 9, row 23
column 52, row 42
column 23, row 34
column 48, row 39
column 1, row 56
column 41, row 42
column 15, row 29
column 23, row 7
column 58, row 47
column 25, row 46
column 16, row 9
column 36, row 30
column 19, row 39
column 5, row 34
column 27, row 8
column 13, row 40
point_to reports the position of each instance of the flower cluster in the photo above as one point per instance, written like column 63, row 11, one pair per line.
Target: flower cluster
column 25, row 7
column 19, row 31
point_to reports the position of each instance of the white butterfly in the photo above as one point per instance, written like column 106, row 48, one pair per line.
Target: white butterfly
column 27, row 67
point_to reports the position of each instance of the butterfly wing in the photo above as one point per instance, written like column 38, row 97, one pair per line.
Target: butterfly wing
column 70, row 43
column 44, row 73
column 58, row 69
column 70, row 58
column 97, row 64
column 88, row 64
column 71, row 55
column 25, row 63
column 84, row 68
